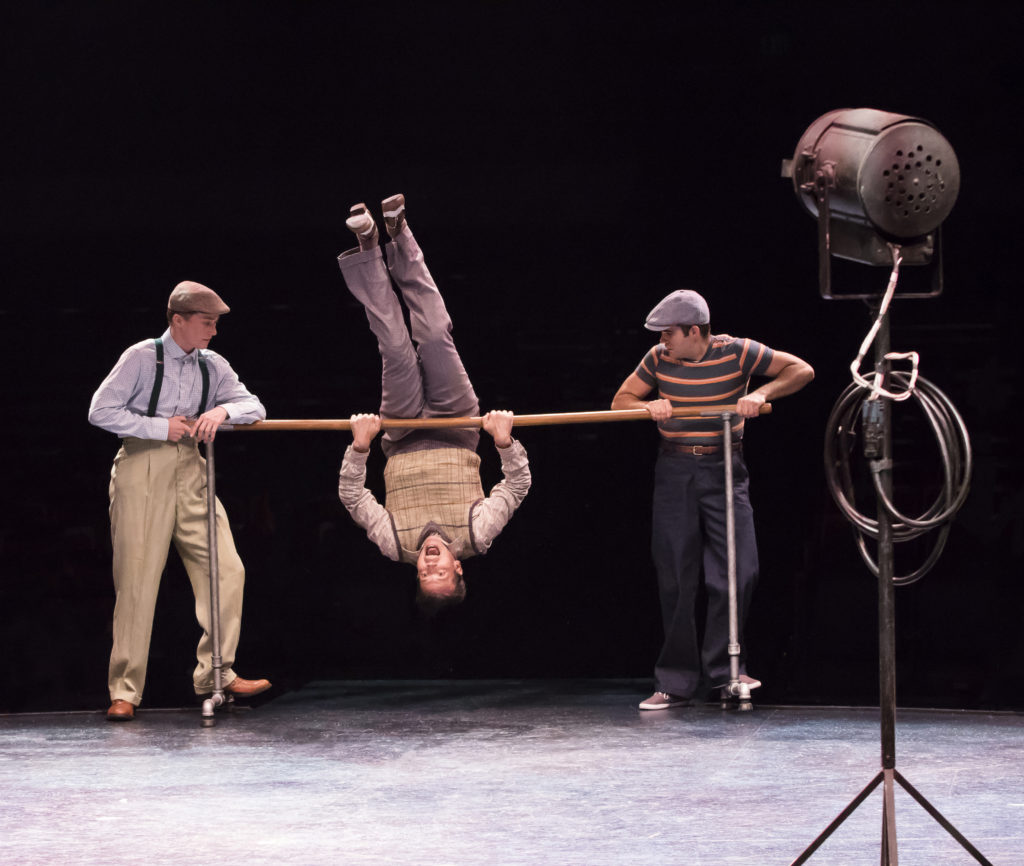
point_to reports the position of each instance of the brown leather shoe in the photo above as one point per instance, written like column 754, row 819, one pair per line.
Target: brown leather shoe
column 246, row 688
column 361, row 223
column 121, row 711
column 394, row 214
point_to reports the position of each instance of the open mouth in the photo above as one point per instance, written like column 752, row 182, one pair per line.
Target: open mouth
column 432, row 550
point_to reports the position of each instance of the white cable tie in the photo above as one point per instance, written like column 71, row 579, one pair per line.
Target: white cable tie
column 874, row 383
column 914, row 359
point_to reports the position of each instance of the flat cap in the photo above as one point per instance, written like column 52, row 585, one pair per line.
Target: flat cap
column 682, row 307
column 190, row 297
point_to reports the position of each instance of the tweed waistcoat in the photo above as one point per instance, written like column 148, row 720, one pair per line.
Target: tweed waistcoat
column 438, row 486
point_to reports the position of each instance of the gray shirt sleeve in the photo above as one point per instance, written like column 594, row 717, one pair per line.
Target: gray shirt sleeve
column 361, row 504
column 491, row 515
column 242, row 406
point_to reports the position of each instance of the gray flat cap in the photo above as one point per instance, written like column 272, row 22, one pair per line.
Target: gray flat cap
column 190, row 297
column 682, row 307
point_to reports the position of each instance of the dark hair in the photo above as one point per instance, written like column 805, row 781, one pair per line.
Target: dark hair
column 705, row 329
column 430, row 604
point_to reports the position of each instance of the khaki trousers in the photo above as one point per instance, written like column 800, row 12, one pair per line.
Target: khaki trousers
column 158, row 495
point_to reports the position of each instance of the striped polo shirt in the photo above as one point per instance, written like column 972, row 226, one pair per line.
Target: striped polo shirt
column 721, row 376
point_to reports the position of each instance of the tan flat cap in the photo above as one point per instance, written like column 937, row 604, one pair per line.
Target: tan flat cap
column 190, row 297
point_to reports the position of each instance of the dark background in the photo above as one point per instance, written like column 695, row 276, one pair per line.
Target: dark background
column 565, row 166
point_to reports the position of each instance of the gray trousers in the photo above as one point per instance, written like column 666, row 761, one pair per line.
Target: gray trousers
column 427, row 380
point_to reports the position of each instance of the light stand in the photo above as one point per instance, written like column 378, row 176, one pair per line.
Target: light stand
column 880, row 186
column 888, row 776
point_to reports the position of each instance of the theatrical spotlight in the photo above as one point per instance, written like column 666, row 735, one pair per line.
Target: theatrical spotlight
column 880, row 185
column 873, row 178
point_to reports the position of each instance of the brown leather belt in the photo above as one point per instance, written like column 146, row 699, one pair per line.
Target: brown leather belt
column 670, row 447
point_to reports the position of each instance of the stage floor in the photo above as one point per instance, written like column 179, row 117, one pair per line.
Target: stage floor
column 500, row 772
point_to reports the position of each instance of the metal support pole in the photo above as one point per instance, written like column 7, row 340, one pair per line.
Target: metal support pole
column 886, row 612
column 217, row 698
column 734, row 688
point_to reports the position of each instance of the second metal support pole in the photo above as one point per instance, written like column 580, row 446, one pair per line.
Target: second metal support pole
column 217, row 698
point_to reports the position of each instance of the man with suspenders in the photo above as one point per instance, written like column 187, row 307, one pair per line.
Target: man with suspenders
column 163, row 398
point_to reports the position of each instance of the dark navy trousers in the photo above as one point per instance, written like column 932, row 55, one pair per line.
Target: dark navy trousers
column 688, row 543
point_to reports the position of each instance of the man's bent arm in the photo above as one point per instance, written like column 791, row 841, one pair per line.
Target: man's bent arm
column 631, row 395
column 787, row 374
column 361, row 504
column 491, row 515
column 240, row 404
column 109, row 407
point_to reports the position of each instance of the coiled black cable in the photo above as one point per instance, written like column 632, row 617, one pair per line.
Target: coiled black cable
column 955, row 453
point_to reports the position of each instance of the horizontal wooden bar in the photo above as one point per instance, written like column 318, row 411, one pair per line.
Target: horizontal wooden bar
column 542, row 420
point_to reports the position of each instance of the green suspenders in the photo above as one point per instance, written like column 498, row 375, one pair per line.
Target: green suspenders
column 159, row 346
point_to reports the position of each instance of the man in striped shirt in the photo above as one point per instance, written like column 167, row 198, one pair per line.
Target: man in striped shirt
column 692, row 367
column 162, row 399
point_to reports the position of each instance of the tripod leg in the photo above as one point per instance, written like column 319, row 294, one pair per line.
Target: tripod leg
column 890, row 854
column 842, row 816
column 943, row 821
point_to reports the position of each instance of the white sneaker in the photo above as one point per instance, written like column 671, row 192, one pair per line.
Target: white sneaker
column 663, row 700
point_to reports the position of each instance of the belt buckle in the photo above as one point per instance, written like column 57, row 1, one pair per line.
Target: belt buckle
column 698, row 450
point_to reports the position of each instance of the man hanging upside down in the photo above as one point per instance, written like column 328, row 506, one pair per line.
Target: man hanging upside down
column 435, row 513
